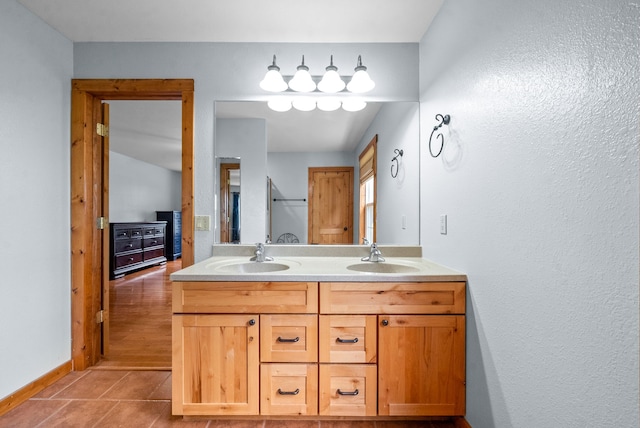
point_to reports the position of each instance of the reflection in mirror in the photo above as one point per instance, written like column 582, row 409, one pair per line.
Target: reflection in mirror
column 229, row 199
column 295, row 141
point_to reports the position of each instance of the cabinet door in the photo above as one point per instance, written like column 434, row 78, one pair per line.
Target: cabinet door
column 421, row 365
column 215, row 365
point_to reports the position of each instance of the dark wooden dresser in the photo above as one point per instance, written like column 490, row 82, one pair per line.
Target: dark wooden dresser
column 135, row 246
column 173, row 239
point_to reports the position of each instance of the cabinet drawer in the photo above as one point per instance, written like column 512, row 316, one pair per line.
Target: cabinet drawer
column 153, row 253
column 347, row 338
column 129, row 259
column 153, row 241
column 392, row 298
column 241, row 297
column 122, row 245
column 348, row 390
column 288, row 389
column 289, row 338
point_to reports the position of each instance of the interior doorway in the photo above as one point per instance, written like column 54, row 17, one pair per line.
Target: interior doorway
column 89, row 191
column 331, row 205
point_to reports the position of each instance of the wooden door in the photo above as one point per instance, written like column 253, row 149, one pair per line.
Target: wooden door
column 215, row 365
column 225, row 199
column 103, row 205
column 330, row 205
column 421, row 365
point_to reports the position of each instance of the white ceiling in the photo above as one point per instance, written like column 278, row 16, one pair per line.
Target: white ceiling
column 302, row 21
column 150, row 131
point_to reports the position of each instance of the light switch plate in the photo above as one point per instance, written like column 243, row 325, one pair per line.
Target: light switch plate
column 203, row 222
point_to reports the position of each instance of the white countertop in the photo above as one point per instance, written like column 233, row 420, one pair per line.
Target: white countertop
column 317, row 263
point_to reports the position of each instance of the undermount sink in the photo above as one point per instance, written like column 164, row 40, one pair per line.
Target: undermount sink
column 245, row 266
column 382, row 267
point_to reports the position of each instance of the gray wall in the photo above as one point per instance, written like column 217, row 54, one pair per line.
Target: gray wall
column 539, row 180
column 289, row 174
column 35, row 87
column 138, row 189
column 397, row 126
column 246, row 139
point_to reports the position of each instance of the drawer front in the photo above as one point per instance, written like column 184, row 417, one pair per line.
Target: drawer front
column 347, row 338
column 136, row 232
column 153, row 241
column 153, row 253
column 392, row 298
column 348, row 390
column 127, row 260
column 243, row 297
column 122, row 233
column 288, row 389
column 123, row 245
column 289, row 338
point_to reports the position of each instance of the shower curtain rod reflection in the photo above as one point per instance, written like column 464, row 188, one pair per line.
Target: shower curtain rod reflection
column 286, row 200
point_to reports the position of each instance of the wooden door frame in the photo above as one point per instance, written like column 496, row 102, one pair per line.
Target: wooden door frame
column 87, row 192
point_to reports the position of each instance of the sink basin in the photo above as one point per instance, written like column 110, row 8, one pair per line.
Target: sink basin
column 251, row 267
column 382, row 267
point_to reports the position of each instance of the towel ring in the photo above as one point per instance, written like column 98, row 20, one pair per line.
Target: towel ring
column 398, row 153
column 444, row 120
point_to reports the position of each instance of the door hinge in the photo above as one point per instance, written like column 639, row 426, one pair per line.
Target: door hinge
column 100, row 316
column 102, row 130
column 101, row 223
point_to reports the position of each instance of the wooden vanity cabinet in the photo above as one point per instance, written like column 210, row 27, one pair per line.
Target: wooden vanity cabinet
column 334, row 349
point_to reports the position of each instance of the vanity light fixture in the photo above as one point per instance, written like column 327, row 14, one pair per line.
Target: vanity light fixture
column 273, row 81
column 360, row 82
column 331, row 81
column 302, row 80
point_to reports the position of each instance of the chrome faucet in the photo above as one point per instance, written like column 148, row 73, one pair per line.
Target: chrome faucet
column 260, row 254
column 375, row 255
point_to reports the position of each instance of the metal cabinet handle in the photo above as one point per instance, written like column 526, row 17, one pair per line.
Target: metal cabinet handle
column 296, row 392
column 280, row 339
column 347, row 340
column 252, row 322
column 353, row 393
column 385, row 322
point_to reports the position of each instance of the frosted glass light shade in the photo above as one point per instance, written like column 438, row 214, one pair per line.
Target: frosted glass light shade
column 329, row 104
column 331, row 81
column 302, row 81
column 304, row 104
column 279, row 104
column 353, row 105
column 273, row 81
column 360, row 82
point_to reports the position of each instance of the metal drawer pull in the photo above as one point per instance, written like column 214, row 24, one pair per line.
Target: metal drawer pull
column 354, row 393
column 296, row 392
column 347, row 340
column 280, row 339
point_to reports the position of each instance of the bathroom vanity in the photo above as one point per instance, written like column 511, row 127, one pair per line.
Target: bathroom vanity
column 319, row 335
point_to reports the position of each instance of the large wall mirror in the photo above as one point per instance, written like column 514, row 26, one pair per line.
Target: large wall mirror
column 277, row 150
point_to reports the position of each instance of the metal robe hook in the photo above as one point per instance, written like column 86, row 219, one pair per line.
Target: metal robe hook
column 398, row 153
column 444, row 120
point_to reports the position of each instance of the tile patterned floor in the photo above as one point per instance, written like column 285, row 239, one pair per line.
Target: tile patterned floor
column 136, row 399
